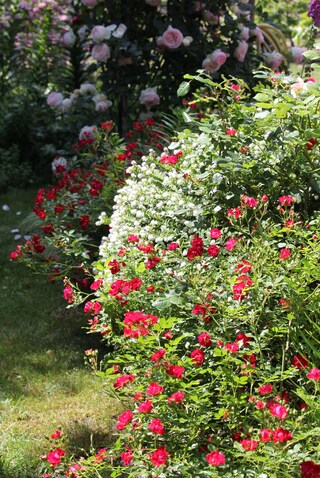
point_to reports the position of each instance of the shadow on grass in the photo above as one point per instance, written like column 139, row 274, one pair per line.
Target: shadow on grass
column 43, row 381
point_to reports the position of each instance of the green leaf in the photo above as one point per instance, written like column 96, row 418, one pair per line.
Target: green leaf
column 183, row 88
column 312, row 54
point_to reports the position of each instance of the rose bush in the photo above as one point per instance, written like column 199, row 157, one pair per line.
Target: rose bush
column 207, row 291
column 65, row 238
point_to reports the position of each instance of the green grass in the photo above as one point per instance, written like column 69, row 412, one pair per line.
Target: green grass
column 43, row 381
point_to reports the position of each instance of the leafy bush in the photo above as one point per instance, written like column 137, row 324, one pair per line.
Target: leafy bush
column 12, row 171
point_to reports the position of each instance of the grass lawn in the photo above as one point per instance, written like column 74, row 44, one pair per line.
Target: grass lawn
column 43, row 381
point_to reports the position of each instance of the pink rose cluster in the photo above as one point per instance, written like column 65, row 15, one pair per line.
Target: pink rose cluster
column 172, row 39
column 215, row 60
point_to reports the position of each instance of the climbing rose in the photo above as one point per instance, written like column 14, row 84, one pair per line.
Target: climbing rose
column 175, row 371
column 299, row 361
column 281, row 435
column 314, row 374
column 101, row 52
column 285, row 200
column 204, row 339
column 159, row 457
column 154, row 389
column 149, row 97
column 215, row 233
column 279, row 411
column 126, row 457
column 230, row 244
column 265, row 389
column 213, row 251
column 54, row 99
column 265, row 435
column 249, row 445
column 284, row 253
column 145, row 407
column 214, row 61
column 310, row 469
column 176, row 397
column 123, row 420
column 172, row 38
column 197, row 357
column 156, row 426
column 158, row 355
column 54, row 456
column 215, row 458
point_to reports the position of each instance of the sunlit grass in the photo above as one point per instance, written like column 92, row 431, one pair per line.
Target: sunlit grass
column 43, row 381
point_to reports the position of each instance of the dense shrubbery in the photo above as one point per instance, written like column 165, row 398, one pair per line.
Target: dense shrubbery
column 207, row 290
column 96, row 61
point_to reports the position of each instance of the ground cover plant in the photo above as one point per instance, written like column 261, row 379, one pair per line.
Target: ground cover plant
column 44, row 381
column 207, row 289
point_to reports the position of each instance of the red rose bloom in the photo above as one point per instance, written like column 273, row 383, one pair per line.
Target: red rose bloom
column 159, row 457
column 204, row 339
column 156, row 426
column 176, row 397
column 281, row 435
column 197, row 357
column 154, row 389
column 215, row 458
column 249, row 445
column 309, row 469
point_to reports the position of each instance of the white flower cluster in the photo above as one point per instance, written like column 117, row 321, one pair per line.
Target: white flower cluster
column 159, row 203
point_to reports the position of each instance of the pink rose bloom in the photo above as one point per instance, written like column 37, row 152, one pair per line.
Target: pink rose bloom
column 54, row 99
column 273, row 59
column 245, row 33
column 68, row 39
column 259, row 35
column 172, row 38
column 149, row 97
column 214, row 61
column 90, row 3
column 87, row 132
column 98, row 33
column 153, row 3
column 241, row 51
column 66, row 105
column 297, row 53
column 101, row 52
column 210, row 17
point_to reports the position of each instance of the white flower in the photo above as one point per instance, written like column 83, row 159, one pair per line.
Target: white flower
column 120, row 31
column 87, row 89
column 68, row 39
column 54, row 99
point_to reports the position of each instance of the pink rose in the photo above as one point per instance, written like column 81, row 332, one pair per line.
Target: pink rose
column 259, row 35
column 297, row 53
column 273, row 59
column 149, row 97
column 98, row 33
column 90, row 3
column 214, row 61
column 210, row 17
column 54, row 99
column 241, row 51
column 68, row 39
column 245, row 33
column 101, row 52
column 172, row 38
